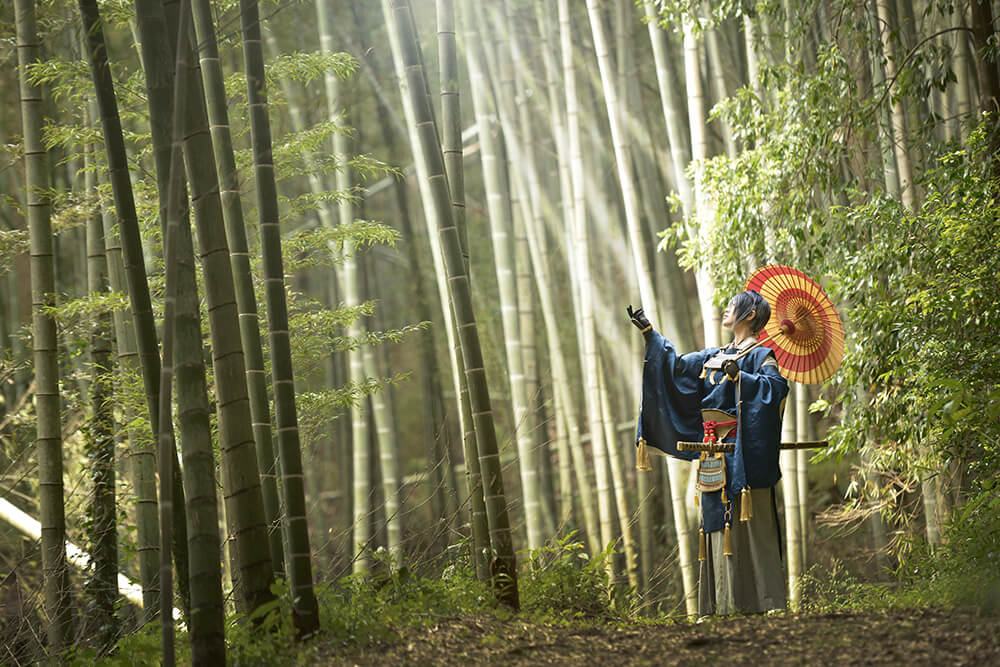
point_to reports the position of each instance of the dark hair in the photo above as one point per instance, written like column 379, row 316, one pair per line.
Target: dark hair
column 748, row 302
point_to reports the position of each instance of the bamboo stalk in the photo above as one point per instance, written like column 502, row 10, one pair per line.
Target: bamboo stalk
column 505, row 565
column 45, row 343
column 299, row 559
column 131, row 241
column 242, row 278
column 452, row 149
column 433, row 224
column 104, row 533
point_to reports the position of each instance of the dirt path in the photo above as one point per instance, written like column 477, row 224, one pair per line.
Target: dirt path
column 922, row 637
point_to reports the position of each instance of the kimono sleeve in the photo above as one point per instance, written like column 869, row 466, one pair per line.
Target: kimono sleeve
column 670, row 407
column 762, row 392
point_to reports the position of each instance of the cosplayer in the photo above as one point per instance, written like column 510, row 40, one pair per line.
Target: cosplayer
column 731, row 394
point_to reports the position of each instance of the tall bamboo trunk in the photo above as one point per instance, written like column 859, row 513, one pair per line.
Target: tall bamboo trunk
column 346, row 277
column 350, row 285
column 703, row 207
column 182, row 355
column 571, row 460
column 504, row 567
column 45, row 342
column 386, row 436
column 718, row 82
column 388, row 456
column 618, row 482
column 907, row 195
column 104, row 519
column 451, row 145
column 132, row 252
column 240, row 478
column 427, row 194
column 679, row 139
column 523, row 176
column 501, row 235
column 140, row 454
column 965, row 72
column 170, row 222
column 239, row 257
column 437, row 432
column 623, row 162
column 670, row 86
column 802, row 467
column 790, row 495
column 583, row 282
column 984, row 33
column 182, row 324
column 549, row 181
column 898, row 115
column 335, row 443
column 299, row 564
column 890, row 174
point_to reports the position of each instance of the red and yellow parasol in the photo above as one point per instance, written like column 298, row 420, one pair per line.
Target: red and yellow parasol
column 804, row 331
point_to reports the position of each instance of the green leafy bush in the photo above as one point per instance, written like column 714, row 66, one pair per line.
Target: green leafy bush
column 362, row 609
column 824, row 590
column 563, row 582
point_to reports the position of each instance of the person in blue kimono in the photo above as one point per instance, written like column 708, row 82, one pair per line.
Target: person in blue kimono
column 729, row 394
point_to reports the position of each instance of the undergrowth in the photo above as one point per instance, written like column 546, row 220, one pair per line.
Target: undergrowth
column 558, row 583
column 962, row 572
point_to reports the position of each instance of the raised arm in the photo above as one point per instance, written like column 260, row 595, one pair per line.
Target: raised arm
column 640, row 320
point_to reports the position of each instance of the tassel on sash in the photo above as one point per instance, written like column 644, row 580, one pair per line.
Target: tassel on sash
column 642, row 461
column 746, row 505
column 727, row 542
column 701, row 545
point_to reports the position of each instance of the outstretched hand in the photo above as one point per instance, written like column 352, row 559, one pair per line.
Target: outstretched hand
column 639, row 319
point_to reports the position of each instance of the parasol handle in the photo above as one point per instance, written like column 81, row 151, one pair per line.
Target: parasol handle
column 756, row 345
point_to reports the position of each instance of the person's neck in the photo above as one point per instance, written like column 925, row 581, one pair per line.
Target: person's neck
column 740, row 334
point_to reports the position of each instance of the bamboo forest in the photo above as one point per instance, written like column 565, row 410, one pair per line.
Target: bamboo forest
column 499, row 332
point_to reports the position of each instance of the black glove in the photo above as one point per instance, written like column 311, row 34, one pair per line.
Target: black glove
column 639, row 319
column 731, row 368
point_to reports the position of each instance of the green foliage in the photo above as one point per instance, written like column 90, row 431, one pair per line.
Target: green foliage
column 961, row 573
column 702, row 16
column 926, row 299
column 141, row 648
column 824, row 590
column 321, row 331
column 917, row 289
column 563, row 582
column 64, row 79
column 362, row 609
column 305, row 68
column 12, row 243
column 325, row 246
column 964, row 570
column 318, row 410
column 772, row 200
column 265, row 636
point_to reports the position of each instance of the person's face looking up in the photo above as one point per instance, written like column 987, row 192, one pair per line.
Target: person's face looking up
column 729, row 316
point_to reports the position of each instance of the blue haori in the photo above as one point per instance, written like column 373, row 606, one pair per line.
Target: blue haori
column 675, row 390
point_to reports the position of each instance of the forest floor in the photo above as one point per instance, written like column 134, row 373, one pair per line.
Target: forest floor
column 911, row 637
